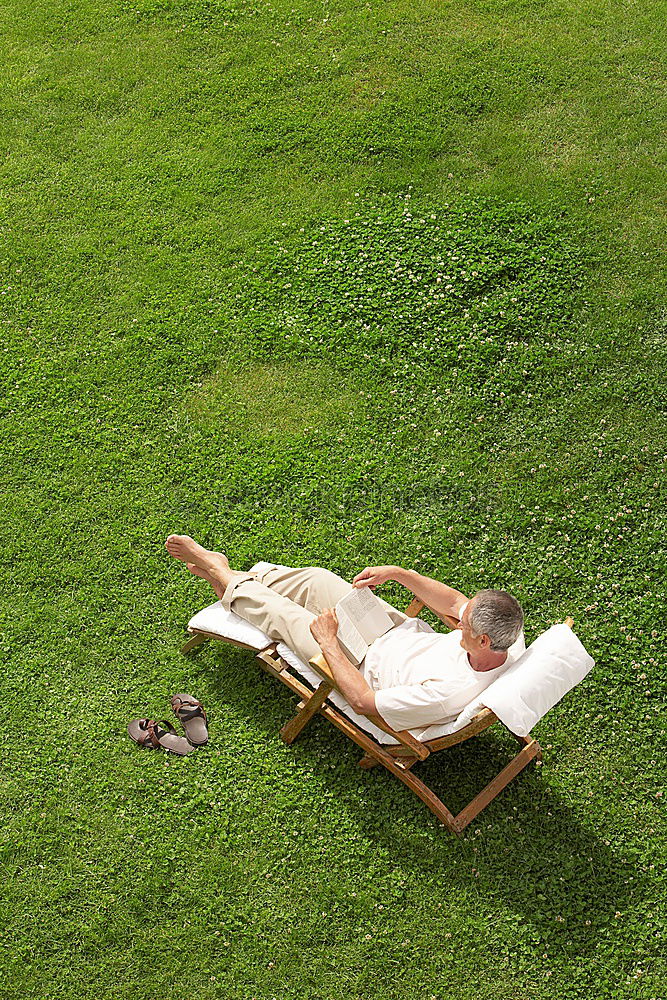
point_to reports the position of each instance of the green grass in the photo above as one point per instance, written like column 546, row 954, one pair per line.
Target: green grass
column 168, row 169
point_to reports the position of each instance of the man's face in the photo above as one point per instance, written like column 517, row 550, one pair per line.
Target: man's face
column 469, row 641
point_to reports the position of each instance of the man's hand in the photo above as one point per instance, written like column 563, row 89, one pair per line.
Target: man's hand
column 374, row 576
column 324, row 629
column 444, row 601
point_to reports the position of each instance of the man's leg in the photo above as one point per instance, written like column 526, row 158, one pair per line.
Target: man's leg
column 312, row 587
column 263, row 598
column 278, row 616
column 281, row 618
column 309, row 588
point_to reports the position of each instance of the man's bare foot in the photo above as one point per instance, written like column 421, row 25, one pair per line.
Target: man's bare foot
column 217, row 586
column 182, row 547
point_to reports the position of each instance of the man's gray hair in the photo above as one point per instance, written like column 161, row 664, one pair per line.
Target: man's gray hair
column 497, row 614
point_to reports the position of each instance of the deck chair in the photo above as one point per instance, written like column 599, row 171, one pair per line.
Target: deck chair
column 516, row 700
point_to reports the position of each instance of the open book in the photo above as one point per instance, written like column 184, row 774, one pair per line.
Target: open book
column 361, row 620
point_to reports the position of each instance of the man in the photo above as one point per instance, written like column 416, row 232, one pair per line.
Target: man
column 412, row 676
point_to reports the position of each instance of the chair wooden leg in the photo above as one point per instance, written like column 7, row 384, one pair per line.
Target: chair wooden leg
column 401, row 768
column 194, row 641
column 291, row 729
column 526, row 741
column 314, row 702
column 429, row 798
column 530, row 751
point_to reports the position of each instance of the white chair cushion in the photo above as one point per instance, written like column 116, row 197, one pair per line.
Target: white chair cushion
column 228, row 625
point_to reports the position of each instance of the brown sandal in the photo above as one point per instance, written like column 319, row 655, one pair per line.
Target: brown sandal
column 192, row 716
column 154, row 736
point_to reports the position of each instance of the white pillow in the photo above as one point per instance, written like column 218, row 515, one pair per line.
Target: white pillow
column 551, row 666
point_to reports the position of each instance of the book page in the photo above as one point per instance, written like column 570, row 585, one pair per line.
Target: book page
column 366, row 614
column 355, row 646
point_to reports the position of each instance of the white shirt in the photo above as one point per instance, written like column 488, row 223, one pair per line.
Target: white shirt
column 422, row 677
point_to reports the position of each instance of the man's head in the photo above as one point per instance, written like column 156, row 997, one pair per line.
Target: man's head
column 492, row 621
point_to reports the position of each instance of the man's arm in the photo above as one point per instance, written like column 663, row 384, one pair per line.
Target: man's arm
column 443, row 600
column 349, row 680
column 410, row 705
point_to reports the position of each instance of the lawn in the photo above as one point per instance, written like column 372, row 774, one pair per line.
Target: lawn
column 334, row 284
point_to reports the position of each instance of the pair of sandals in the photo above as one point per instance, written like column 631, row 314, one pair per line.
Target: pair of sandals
column 162, row 736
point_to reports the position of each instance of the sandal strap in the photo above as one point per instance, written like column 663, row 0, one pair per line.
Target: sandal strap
column 187, row 710
column 196, row 713
column 153, row 736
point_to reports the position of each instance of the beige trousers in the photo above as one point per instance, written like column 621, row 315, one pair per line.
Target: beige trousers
column 283, row 602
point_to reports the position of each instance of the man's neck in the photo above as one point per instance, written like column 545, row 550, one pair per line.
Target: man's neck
column 487, row 661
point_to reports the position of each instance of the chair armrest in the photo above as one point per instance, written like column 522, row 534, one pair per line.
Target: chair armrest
column 449, row 620
column 320, row 665
column 415, row 608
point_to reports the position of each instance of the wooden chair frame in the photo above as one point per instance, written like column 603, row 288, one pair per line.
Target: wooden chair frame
column 398, row 758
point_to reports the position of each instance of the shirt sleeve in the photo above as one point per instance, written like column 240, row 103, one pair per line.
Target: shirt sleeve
column 410, row 706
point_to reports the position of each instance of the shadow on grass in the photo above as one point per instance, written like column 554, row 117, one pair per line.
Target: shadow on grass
column 528, row 848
